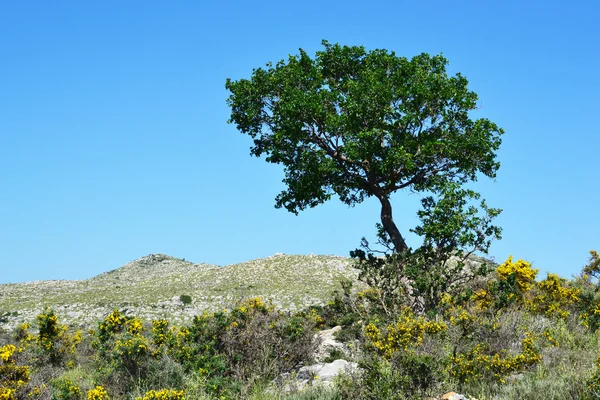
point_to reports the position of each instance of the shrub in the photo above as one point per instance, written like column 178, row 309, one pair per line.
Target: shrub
column 98, row 393
column 53, row 340
column 65, row 389
column 479, row 362
column 522, row 271
column 112, row 324
column 553, row 297
column 407, row 377
column 185, row 299
column 404, row 335
column 165, row 394
column 13, row 377
column 260, row 341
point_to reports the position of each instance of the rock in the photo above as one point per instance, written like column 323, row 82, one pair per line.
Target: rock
column 326, row 372
column 175, row 301
column 316, row 374
column 327, row 343
column 454, row 396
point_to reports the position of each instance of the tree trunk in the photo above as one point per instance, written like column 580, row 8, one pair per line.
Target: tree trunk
column 390, row 227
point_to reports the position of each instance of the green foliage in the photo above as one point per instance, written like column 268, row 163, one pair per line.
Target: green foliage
column 185, row 299
column 6, row 314
column 335, row 354
column 358, row 123
column 65, row 389
column 53, row 338
column 226, row 350
column 452, row 228
column 409, row 376
column 503, row 336
column 592, row 269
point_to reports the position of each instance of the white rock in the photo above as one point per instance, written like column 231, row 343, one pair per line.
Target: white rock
column 326, row 372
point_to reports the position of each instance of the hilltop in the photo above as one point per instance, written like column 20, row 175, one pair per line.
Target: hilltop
column 150, row 287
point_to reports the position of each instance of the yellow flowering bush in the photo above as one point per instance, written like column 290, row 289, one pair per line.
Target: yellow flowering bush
column 478, row 362
column 523, row 272
column 125, row 353
column 98, row 393
column 165, row 394
column 459, row 316
column 316, row 318
column 160, row 332
column 248, row 307
column 132, row 347
column 408, row 332
column 552, row 297
column 112, row 324
column 134, row 326
column 123, row 350
column 12, row 376
column 54, row 338
column 483, row 299
column 23, row 336
column 7, row 394
column 36, row 392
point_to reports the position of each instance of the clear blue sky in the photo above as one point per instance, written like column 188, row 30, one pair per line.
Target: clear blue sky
column 115, row 143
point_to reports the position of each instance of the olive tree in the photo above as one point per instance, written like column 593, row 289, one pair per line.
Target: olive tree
column 357, row 123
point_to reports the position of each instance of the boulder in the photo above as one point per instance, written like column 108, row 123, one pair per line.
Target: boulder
column 454, row 396
column 327, row 343
column 316, row 374
column 326, row 372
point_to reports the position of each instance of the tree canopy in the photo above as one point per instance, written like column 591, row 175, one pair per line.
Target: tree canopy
column 358, row 123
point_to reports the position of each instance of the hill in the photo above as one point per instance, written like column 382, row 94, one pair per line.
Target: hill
column 150, row 287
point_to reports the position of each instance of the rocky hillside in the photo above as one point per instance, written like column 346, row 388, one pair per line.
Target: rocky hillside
column 150, row 287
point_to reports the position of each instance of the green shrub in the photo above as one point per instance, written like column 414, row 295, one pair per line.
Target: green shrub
column 64, row 389
column 56, row 344
column 185, row 299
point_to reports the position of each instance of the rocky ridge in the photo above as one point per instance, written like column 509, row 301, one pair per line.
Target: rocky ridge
column 150, row 288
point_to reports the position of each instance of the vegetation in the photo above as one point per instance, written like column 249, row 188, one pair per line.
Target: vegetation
column 292, row 281
column 185, row 299
column 506, row 336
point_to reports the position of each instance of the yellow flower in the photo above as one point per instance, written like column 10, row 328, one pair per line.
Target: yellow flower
column 98, row 393
column 524, row 273
column 6, row 352
column 165, row 394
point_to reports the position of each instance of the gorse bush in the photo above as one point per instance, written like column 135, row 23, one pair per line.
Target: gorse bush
column 54, row 340
column 478, row 362
column 165, row 394
column 13, row 377
column 554, row 297
column 404, row 335
column 524, row 275
column 97, row 393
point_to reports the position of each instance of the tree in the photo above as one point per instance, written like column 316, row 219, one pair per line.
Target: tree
column 360, row 123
